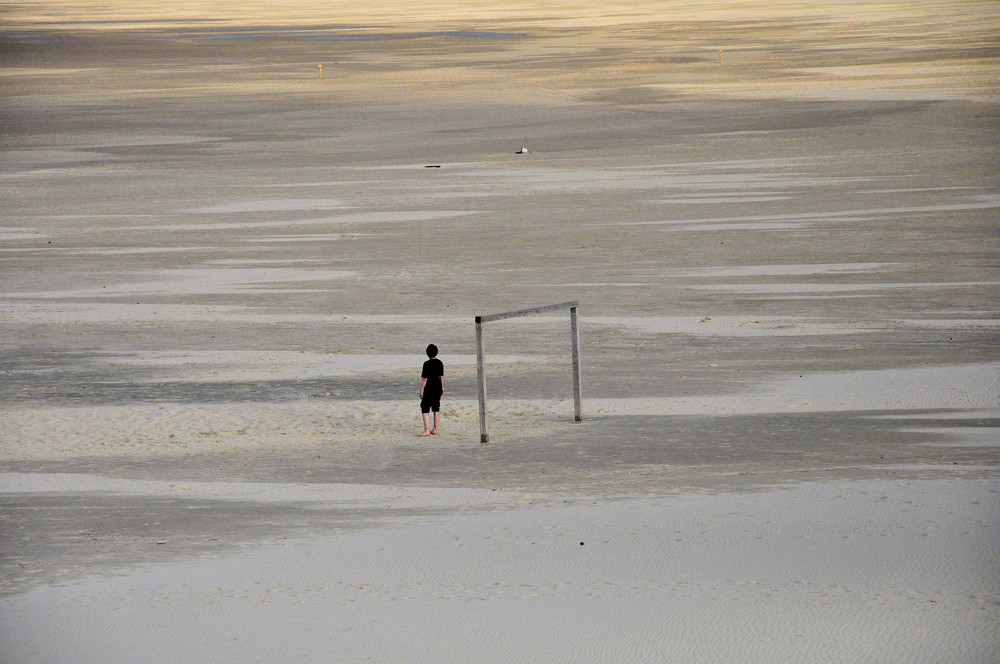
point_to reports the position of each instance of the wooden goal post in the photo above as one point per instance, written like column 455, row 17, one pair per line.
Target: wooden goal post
column 516, row 313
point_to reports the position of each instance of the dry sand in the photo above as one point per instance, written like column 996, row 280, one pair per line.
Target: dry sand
column 220, row 262
column 813, row 573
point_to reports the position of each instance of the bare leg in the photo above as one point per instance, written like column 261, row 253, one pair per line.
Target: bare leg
column 437, row 423
column 427, row 424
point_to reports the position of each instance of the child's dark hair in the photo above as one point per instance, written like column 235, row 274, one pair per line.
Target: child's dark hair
column 432, row 351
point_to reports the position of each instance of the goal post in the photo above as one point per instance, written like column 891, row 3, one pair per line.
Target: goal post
column 484, row 435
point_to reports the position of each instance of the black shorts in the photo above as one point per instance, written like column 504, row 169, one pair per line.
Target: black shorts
column 430, row 403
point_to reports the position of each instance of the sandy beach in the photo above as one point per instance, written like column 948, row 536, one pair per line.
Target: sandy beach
column 227, row 238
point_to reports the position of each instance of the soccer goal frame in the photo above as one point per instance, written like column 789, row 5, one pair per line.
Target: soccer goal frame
column 484, row 435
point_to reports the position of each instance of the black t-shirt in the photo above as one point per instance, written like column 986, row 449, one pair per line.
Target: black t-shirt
column 433, row 371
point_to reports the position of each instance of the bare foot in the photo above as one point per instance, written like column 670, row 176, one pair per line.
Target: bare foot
column 426, row 433
column 434, row 432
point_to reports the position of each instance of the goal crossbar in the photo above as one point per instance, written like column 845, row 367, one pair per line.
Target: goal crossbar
column 484, row 435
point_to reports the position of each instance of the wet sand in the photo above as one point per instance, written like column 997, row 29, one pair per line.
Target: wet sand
column 220, row 264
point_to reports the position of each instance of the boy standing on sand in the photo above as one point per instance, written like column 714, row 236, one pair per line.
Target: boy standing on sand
column 431, row 389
